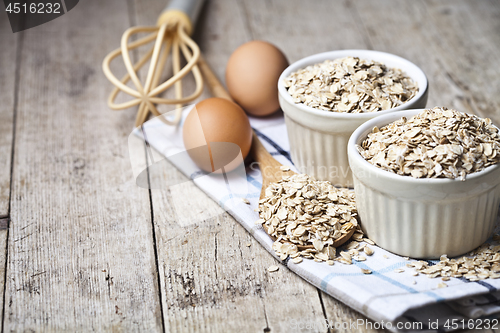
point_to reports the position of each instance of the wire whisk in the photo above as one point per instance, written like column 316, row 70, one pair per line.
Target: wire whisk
column 171, row 35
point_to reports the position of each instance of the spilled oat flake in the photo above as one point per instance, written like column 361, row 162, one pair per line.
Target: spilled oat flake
column 480, row 264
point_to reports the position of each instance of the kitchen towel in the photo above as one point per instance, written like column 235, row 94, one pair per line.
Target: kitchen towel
column 401, row 301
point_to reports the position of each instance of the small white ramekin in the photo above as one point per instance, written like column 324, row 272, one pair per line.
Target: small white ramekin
column 318, row 138
column 427, row 217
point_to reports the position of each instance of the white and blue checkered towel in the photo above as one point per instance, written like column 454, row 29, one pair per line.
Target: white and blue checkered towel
column 383, row 295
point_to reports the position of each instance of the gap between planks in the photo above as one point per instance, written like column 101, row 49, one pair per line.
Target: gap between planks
column 4, row 220
column 133, row 22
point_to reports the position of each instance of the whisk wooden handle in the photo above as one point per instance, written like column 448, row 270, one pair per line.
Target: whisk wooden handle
column 185, row 11
column 213, row 83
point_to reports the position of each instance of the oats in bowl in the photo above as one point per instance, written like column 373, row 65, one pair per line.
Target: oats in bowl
column 427, row 216
column 437, row 143
column 351, row 85
column 318, row 134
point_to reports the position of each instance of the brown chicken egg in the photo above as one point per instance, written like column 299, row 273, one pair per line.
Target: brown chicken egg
column 252, row 74
column 217, row 134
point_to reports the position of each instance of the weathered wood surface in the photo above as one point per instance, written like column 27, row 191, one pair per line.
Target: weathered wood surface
column 85, row 251
column 454, row 42
column 466, row 35
column 80, row 248
column 8, row 65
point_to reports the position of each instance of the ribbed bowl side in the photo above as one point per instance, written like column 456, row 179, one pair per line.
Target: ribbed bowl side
column 318, row 154
column 426, row 229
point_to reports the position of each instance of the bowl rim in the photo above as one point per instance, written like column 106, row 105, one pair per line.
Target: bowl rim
column 353, row 153
column 320, row 57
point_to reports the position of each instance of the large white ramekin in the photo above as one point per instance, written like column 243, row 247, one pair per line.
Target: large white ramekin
column 427, row 217
column 318, row 139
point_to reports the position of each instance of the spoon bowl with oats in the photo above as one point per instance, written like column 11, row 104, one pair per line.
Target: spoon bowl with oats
column 298, row 210
column 317, row 239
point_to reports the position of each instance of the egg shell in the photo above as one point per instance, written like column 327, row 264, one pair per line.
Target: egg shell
column 252, row 74
column 217, row 134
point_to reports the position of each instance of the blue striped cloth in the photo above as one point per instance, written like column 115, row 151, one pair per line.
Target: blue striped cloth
column 397, row 299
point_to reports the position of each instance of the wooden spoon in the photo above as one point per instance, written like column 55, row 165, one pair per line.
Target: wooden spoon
column 269, row 167
column 272, row 173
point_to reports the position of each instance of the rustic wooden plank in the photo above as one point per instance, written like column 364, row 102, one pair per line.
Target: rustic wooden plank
column 466, row 35
column 402, row 28
column 220, row 29
column 300, row 29
column 210, row 279
column 214, row 273
column 9, row 42
column 81, row 254
column 8, row 65
column 437, row 37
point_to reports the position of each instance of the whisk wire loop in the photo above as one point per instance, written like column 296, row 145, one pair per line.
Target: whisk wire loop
column 169, row 36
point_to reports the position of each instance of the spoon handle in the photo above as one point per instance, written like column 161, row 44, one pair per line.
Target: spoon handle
column 213, row 83
column 261, row 155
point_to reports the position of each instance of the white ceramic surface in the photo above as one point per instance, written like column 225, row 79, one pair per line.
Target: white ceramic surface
column 318, row 138
column 422, row 218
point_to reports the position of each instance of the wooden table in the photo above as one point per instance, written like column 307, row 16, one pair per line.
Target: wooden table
column 83, row 248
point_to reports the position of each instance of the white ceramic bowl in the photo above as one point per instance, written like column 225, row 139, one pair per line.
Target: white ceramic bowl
column 427, row 217
column 318, row 138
